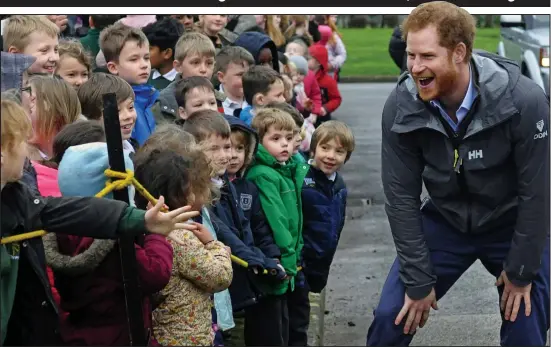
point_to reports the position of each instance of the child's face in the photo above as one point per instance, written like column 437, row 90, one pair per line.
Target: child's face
column 13, row 161
column 218, row 149
column 133, row 65
column 265, row 57
column 237, row 159
column 185, row 19
column 276, row 94
column 198, row 99
column 213, row 24
column 329, row 156
column 159, row 58
column 232, row 80
column 45, row 49
column 298, row 141
column 313, row 64
column 72, row 71
column 279, row 143
column 294, row 48
column 195, row 65
column 288, row 88
column 127, row 118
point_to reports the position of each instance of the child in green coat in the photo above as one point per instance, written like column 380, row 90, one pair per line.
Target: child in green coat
column 279, row 178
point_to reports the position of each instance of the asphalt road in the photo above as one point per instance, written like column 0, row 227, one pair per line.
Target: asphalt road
column 467, row 315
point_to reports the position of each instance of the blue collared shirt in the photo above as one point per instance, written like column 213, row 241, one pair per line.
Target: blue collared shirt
column 463, row 108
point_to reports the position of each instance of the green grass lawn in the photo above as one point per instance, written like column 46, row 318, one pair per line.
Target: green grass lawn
column 367, row 50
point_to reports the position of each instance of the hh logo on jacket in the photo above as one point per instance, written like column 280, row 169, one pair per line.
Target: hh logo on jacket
column 246, row 201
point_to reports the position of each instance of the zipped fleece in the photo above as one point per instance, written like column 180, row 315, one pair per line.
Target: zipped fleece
column 500, row 178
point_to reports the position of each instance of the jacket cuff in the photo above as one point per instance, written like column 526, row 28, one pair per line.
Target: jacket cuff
column 132, row 221
column 418, row 293
column 518, row 282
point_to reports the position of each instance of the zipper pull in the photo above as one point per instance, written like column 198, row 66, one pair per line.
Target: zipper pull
column 457, row 162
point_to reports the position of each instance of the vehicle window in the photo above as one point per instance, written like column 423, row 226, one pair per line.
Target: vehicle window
column 541, row 21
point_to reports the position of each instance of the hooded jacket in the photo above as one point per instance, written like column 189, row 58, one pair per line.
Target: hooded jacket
column 249, row 198
column 87, row 271
column 491, row 174
column 330, row 96
column 280, row 195
column 13, row 67
column 254, row 42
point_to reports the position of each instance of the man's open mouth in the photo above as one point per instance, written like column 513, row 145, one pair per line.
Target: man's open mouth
column 425, row 81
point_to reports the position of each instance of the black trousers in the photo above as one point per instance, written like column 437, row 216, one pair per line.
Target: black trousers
column 298, row 305
column 267, row 322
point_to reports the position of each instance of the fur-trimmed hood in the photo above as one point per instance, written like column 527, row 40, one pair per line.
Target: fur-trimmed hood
column 78, row 264
column 236, row 123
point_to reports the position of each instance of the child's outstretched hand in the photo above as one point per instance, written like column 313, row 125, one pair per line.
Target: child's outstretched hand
column 157, row 222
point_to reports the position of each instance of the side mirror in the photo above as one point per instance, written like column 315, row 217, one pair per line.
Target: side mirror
column 511, row 21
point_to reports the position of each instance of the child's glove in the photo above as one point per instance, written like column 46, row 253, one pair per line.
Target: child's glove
column 275, row 269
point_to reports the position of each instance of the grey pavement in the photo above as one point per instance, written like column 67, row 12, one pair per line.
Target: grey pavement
column 468, row 314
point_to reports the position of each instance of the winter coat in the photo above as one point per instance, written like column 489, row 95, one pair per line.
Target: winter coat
column 488, row 175
column 280, row 195
column 183, row 317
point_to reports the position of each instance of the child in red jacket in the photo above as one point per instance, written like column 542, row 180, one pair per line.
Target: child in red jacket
column 330, row 96
column 88, row 271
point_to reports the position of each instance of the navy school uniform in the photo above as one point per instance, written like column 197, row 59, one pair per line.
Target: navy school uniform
column 233, row 229
column 324, row 206
column 324, row 201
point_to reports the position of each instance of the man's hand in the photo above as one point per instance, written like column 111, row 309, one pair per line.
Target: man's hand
column 418, row 312
column 323, row 112
column 512, row 297
column 157, row 222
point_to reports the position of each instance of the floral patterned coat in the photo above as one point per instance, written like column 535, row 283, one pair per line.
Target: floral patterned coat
column 184, row 317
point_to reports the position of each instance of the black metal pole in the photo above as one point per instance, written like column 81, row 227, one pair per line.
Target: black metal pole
column 132, row 290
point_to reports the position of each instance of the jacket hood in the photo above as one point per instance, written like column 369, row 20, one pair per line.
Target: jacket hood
column 78, row 264
column 254, row 42
column 13, row 67
column 495, row 77
column 319, row 52
column 325, row 34
column 145, row 95
column 81, row 171
column 238, row 124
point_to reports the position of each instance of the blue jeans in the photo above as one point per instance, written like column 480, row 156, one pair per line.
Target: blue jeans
column 452, row 253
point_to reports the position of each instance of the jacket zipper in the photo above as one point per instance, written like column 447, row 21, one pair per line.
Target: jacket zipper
column 457, row 138
column 46, row 285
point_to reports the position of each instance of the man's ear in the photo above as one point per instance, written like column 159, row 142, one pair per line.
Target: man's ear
column 12, row 49
column 220, row 76
column 182, row 113
column 459, row 53
column 112, row 67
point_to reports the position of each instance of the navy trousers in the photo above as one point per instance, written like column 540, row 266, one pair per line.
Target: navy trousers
column 452, row 253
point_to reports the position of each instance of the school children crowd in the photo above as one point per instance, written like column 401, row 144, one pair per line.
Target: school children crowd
column 227, row 120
